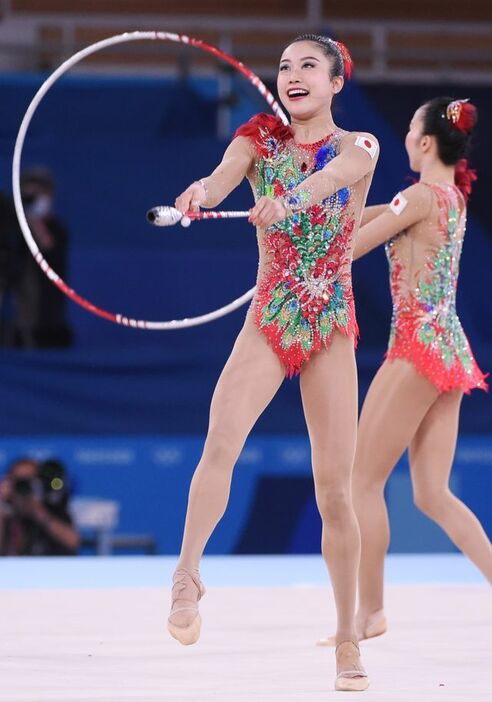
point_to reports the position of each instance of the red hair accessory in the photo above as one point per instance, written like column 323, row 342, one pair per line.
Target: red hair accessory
column 464, row 177
column 462, row 114
column 348, row 64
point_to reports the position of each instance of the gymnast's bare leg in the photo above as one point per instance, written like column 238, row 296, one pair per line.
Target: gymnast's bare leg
column 394, row 406
column 248, row 382
column 401, row 412
column 329, row 396
column 431, row 457
column 402, row 409
column 397, row 401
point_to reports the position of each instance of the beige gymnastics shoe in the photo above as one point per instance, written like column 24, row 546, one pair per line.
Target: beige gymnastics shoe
column 184, row 622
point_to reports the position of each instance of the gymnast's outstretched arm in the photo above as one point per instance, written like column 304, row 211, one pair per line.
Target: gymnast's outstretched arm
column 357, row 158
column 407, row 208
column 211, row 190
column 369, row 213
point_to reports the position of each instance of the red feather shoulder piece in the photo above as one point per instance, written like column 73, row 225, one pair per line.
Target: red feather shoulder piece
column 262, row 126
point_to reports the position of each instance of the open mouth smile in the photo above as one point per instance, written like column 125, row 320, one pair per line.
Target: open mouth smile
column 297, row 93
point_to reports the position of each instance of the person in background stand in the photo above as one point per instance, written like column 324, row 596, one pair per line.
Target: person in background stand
column 41, row 318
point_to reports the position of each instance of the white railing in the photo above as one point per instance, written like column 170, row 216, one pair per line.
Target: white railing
column 21, row 48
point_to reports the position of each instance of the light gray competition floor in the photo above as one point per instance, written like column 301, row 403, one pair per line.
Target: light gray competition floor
column 77, row 630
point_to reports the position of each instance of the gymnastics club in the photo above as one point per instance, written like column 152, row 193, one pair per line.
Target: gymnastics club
column 165, row 216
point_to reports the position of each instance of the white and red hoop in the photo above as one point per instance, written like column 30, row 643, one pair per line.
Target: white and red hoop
column 19, row 144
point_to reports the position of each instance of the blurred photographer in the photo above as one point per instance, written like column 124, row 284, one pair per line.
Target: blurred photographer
column 41, row 318
column 34, row 516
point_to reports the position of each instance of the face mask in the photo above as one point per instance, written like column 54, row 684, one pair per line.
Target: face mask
column 41, row 206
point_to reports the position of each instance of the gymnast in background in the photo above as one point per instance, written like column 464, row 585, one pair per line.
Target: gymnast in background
column 414, row 399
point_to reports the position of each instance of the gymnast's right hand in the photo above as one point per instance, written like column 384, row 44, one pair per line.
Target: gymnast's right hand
column 191, row 198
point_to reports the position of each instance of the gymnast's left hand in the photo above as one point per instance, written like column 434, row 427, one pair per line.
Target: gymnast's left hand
column 266, row 212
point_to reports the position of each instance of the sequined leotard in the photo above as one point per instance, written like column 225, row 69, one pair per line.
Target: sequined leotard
column 304, row 291
column 424, row 267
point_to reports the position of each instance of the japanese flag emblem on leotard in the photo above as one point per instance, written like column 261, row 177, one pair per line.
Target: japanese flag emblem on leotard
column 367, row 144
column 398, row 203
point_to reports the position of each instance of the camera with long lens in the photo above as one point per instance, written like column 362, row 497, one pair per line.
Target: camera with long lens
column 54, row 482
column 50, row 486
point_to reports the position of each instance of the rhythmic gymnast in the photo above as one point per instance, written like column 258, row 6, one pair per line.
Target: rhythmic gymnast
column 414, row 400
column 310, row 183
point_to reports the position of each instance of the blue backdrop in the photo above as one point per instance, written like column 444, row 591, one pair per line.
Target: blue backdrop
column 117, row 147
column 272, row 508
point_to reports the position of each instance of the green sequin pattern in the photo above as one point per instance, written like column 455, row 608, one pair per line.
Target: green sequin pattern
column 307, row 293
column 425, row 327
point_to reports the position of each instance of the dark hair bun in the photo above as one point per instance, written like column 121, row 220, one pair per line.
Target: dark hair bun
column 452, row 122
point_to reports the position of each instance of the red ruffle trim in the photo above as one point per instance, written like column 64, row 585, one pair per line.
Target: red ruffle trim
column 430, row 365
column 295, row 356
column 262, row 126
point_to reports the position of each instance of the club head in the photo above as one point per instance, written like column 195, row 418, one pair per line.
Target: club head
column 163, row 216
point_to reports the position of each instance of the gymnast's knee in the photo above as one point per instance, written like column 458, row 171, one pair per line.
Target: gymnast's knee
column 222, row 446
column 334, row 504
column 431, row 503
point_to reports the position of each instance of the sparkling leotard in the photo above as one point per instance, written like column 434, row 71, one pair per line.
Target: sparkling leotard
column 304, row 291
column 424, row 267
